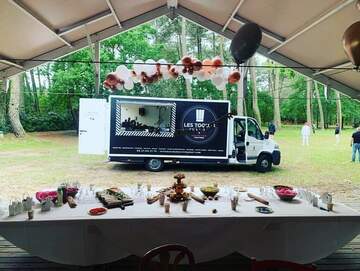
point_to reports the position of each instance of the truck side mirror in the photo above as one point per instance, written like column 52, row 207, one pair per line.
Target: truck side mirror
column 267, row 135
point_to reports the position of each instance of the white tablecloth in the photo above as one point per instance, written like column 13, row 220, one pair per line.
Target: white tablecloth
column 295, row 232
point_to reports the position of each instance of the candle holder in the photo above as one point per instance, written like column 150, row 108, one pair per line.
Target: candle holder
column 167, row 208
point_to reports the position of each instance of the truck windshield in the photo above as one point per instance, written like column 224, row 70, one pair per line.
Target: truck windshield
column 254, row 130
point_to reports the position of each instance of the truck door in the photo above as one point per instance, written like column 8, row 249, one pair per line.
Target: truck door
column 254, row 141
column 92, row 126
column 239, row 139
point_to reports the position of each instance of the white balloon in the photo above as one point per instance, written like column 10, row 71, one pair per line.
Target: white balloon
column 138, row 68
column 129, row 84
column 179, row 67
column 123, row 72
column 217, row 80
column 207, row 76
column 219, row 72
column 166, row 75
column 150, row 69
column 200, row 75
column 222, row 86
column 163, row 65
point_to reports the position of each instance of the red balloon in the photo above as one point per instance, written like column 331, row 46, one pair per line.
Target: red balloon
column 351, row 43
column 217, row 62
column 111, row 80
column 234, row 77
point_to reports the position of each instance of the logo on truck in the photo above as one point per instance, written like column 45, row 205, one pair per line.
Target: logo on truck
column 199, row 124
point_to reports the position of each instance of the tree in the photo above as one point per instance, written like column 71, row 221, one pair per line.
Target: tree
column 240, row 97
column 14, row 115
column 276, row 96
column 184, row 52
column 3, row 90
column 321, row 112
column 255, row 105
column 34, row 91
column 309, row 86
column 338, row 109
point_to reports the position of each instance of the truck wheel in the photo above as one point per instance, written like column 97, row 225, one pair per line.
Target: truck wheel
column 264, row 163
column 154, row 164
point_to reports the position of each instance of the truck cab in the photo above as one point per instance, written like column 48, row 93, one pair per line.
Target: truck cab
column 249, row 146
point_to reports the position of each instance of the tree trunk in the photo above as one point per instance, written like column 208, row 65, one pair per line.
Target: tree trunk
column 184, row 52
column 321, row 112
column 254, row 96
column 240, row 98
column 28, row 93
column 39, row 80
column 14, row 107
column 34, row 91
column 214, row 43
column 338, row 109
column 222, row 57
column 309, row 86
column 22, row 99
column 48, row 76
column 276, row 97
column 3, row 90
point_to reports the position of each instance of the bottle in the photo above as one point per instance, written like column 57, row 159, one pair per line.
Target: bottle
column 59, row 201
column 12, row 209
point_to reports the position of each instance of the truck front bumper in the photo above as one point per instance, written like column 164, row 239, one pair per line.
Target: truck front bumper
column 276, row 157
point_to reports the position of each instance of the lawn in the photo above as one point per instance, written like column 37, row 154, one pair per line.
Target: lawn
column 43, row 160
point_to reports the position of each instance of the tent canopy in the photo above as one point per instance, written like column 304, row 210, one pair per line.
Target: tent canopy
column 304, row 33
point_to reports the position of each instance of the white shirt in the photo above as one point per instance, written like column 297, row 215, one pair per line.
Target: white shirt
column 305, row 131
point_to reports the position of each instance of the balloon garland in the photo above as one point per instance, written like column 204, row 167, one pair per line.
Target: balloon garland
column 149, row 72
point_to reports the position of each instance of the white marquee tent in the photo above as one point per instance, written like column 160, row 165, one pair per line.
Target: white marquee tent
column 306, row 33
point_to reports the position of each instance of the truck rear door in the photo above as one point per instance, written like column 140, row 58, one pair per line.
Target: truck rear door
column 92, row 126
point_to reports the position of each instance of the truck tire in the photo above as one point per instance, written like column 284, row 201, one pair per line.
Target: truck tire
column 264, row 163
column 154, row 164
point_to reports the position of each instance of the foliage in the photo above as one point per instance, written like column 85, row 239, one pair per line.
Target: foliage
column 50, row 121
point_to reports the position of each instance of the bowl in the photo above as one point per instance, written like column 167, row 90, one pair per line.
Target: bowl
column 43, row 195
column 285, row 193
column 209, row 191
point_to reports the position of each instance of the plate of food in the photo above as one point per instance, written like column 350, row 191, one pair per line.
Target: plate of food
column 285, row 193
column 97, row 211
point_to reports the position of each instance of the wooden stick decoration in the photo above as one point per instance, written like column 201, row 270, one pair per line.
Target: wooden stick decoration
column 72, row 203
column 258, row 199
column 194, row 197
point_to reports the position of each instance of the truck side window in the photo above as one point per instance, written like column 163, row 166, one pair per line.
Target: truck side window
column 239, row 130
column 254, row 130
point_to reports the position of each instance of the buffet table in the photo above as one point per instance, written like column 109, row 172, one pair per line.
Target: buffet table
column 296, row 231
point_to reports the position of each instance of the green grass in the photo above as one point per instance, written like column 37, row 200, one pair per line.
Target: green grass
column 45, row 159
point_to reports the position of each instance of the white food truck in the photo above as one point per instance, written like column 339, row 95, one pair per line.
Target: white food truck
column 155, row 131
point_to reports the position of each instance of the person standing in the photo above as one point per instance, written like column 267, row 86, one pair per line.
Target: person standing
column 337, row 133
column 305, row 133
column 355, row 144
column 272, row 129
